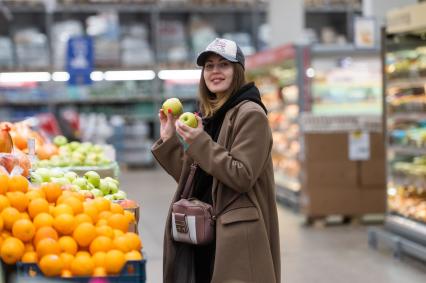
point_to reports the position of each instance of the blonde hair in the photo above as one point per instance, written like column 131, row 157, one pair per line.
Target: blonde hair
column 209, row 102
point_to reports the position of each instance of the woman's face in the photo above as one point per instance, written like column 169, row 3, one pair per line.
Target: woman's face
column 218, row 74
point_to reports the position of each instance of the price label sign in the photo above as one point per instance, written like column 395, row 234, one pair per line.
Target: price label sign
column 359, row 145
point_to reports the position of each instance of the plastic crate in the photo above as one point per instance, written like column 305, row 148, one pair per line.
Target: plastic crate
column 132, row 272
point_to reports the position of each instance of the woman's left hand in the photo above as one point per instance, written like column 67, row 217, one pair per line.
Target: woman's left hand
column 187, row 133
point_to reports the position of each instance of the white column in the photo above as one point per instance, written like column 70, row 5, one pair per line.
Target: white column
column 287, row 21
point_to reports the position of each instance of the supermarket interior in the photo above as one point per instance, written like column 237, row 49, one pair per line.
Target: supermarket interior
column 82, row 196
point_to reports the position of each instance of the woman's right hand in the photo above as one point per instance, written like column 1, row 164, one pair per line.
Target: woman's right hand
column 167, row 125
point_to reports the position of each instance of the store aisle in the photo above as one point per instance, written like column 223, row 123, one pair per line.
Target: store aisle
column 334, row 254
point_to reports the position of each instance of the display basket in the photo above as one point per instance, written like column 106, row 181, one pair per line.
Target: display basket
column 112, row 170
column 132, row 272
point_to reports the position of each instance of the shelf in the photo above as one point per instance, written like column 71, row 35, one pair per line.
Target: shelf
column 342, row 50
column 332, row 9
column 407, row 150
column 287, row 182
column 408, row 116
column 407, row 83
column 409, row 228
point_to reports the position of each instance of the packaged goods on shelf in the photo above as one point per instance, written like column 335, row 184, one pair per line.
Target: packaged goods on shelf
column 201, row 34
column 243, row 40
column 61, row 33
column 135, row 47
column 105, row 30
column 172, row 45
column 31, row 48
column 6, row 52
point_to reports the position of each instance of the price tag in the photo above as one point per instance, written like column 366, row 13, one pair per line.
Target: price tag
column 359, row 145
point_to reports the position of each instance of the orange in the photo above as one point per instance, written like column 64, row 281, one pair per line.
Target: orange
column 99, row 272
column 12, row 250
column 75, row 204
column 34, row 194
column 101, row 244
column 84, row 234
column 121, row 243
column 4, row 183
column 23, row 229
column 105, row 215
column 116, row 208
column 92, row 211
column 29, row 257
column 102, row 222
column 99, row 259
column 133, row 240
column 130, row 216
column 118, row 233
column 82, row 218
column 133, row 255
column 61, row 209
column 64, row 224
column 5, row 235
column 105, row 230
column 10, row 215
column 18, row 183
column 82, row 253
column 119, row 221
column 1, row 223
column 43, row 233
column 66, row 259
column 29, row 247
column 66, row 273
column 114, row 261
column 52, row 191
column 68, row 245
column 51, row 265
column 24, row 215
column 43, row 220
column 18, row 200
column 48, row 246
column 37, row 206
column 102, row 204
column 82, row 266
column 4, row 202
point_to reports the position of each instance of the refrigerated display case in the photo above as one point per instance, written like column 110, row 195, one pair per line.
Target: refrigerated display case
column 404, row 65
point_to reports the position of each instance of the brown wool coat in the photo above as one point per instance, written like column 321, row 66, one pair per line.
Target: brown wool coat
column 247, row 236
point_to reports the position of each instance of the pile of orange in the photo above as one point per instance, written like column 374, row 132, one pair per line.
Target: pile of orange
column 62, row 232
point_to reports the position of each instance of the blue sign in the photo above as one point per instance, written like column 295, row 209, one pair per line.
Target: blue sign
column 80, row 60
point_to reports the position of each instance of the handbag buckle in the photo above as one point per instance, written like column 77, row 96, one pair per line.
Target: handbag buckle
column 181, row 226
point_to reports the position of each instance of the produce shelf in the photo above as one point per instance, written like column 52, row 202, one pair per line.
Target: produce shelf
column 407, row 83
column 287, row 191
column 408, row 116
column 407, row 150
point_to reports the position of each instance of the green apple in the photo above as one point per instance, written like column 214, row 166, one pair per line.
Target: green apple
column 56, row 173
column 104, row 186
column 60, row 140
column 120, row 195
column 109, row 197
column 113, row 187
column 36, row 178
column 81, row 182
column 93, row 178
column 44, row 173
column 98, row 148
column 61, row 180
column 97, row 193
column 109, row 179
column 189, row 119
column 174, row 105
column 71, row 176
column 74, row 145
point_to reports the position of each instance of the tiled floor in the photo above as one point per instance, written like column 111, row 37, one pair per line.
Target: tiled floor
column 333, row 254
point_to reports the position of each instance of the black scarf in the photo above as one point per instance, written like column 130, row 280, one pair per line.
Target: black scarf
column 203, row 181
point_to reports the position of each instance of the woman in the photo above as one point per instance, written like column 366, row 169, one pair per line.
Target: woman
column 232, row 147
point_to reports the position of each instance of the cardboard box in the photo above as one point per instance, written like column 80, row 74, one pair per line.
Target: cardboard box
column 372, row 174
column 326, row 146
column 327, row 201
column 372, row 201
column 320, row 174
column 377, row 146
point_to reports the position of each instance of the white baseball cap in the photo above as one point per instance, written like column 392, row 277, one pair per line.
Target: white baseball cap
column 226, row 48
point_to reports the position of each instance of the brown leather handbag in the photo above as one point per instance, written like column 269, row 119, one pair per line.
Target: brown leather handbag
column 193, row 221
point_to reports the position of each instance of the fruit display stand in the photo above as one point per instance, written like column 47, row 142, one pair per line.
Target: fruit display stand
column 404, row 59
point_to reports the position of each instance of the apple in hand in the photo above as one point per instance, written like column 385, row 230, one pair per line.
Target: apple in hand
column 189, row 119
column 174, row 105
column 93, row 178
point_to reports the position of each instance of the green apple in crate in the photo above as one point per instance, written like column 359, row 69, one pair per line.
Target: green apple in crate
column 60, row 140
column 93, row 178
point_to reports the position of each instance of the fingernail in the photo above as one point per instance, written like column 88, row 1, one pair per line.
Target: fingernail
column 169, row 110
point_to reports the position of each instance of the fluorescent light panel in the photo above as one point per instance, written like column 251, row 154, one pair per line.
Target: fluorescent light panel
column 145, row 75
column 179, row 74
column 60, row 76
column 25, row 77
column 97, row 76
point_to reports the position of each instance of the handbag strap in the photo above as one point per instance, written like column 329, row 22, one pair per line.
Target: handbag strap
column 188, row 185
